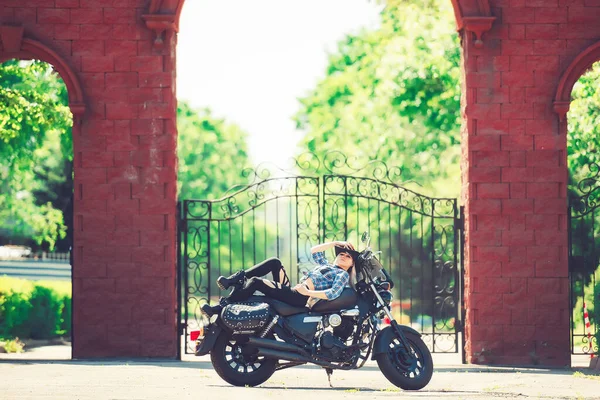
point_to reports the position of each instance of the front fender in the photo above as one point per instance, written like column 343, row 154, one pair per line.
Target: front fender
column 385, row 336
column 205, row 345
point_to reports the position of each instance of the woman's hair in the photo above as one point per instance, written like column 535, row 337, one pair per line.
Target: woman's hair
column 352, row 273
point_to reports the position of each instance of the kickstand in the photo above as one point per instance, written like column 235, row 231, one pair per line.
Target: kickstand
column 329, row 373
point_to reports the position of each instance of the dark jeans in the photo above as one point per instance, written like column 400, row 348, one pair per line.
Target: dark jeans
column 255, row 282
column 272, row 265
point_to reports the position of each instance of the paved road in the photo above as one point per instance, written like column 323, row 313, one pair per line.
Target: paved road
column 194, row 378
column 36, row 270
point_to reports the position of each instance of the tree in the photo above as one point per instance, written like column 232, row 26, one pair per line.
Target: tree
column 34, row 132
column 583, row 155
column 393, row 94
column 584, row 125
column 211, row 153
column 213, row 157
column 53, row 183
column 33, row 101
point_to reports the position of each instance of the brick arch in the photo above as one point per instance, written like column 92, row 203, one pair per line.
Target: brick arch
column 462, row 8
column 471, row 15
column 578, row 67
column 16, row 47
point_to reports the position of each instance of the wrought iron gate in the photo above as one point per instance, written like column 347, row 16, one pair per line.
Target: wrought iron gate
column 281, row 214
column 584, row 259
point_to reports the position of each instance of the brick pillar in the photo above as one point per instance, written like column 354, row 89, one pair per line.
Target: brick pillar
column 125, row 187
column 514, row 190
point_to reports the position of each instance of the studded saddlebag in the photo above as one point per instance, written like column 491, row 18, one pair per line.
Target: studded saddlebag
column 245, row 317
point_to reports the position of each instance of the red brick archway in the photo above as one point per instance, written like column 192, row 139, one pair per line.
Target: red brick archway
column 514, row 171
column 574, row 71
column 15, row 47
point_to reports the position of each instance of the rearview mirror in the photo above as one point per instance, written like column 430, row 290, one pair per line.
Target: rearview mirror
column 365, row 238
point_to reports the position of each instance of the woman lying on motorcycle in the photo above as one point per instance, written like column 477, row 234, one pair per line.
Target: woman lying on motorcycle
column 326, row 281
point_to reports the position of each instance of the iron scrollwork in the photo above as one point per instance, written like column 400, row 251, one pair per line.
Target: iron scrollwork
column 589, row 191
column 284, row 212
column 584, row 242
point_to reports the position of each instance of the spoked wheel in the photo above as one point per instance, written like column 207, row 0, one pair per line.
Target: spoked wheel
column 407, row 370
column 239, row 366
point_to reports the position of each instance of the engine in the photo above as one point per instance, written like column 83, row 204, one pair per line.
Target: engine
column 345, row 328
column 332, row 346
column 331, row 340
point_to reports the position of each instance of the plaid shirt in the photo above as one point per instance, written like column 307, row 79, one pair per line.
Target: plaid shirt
column 330, row 278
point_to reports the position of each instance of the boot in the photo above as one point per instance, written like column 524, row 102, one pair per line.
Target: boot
column 223, row 302
column 235, row 279
column 209, row 310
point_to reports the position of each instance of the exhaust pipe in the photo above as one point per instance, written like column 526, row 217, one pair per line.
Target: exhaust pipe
column 276, row 345
column 287, row 356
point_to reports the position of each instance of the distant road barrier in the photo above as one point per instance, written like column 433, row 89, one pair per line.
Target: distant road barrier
column 42, row 269
column 24, row 253
column 58, row 257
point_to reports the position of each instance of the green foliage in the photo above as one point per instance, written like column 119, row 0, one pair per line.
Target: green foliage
column 393, row 94
column 52, row 186
column 66, row 317
column 32, row 102
column 33, row 310
column 46, row 313
column 35, row 146
column 584, row 125
column 211, row 153
column 15, row 310
column 584, row 159
column 12, row 346
column 585, row 288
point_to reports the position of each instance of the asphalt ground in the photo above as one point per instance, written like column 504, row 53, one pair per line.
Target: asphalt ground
column 28, row 376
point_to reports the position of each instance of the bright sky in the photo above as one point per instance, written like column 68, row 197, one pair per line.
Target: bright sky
column 248, row 61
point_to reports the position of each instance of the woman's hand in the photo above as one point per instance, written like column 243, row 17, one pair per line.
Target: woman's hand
column 346, row 245
column 329, row 245
column 300, row 288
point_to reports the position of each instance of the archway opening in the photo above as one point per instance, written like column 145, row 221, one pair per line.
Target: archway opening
column 36, row 208
column 583, row 148
column 388, row 94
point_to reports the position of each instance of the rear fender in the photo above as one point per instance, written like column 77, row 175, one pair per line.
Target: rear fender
column 385, row 336
column 204, row 345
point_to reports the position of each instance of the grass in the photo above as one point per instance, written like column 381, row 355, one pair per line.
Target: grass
column 579, row 374
column 12, row 345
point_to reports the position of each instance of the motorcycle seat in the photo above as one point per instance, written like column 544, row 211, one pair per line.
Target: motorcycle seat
column 280, row 307
column 346, row 300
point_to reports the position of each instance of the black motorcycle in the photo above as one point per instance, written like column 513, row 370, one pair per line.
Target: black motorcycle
column 250, row 340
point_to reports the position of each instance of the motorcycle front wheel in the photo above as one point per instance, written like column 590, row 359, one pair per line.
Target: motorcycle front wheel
column 239, row 367
column 409, row 372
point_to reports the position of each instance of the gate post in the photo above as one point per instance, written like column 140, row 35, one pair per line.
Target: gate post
column 514, row 178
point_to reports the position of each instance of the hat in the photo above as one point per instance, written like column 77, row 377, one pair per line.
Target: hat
column 353, row 253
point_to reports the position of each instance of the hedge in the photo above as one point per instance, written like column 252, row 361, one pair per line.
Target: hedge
column 34, row 309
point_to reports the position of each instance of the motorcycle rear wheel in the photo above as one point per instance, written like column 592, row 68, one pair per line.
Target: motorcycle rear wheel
column 408, row 373
column 237, row 368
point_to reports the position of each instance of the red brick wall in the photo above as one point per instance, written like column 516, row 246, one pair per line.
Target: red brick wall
column 125, row 172
column 514, row 174
column 514, row 180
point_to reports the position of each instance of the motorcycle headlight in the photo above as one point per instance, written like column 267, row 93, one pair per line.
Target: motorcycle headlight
column 386, row 296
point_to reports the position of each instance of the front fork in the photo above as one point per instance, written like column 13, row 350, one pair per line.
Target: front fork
column 407, row 349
